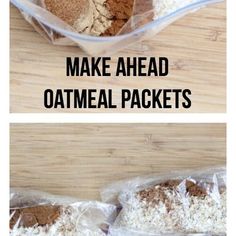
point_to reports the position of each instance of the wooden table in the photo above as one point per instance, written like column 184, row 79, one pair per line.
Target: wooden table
column 195, row 46
column 80, row 159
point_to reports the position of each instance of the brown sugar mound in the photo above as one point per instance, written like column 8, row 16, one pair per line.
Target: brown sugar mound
column 37, row 215
column 68, row 11
column 121, row 11
column 195, row 189
column 173, row 183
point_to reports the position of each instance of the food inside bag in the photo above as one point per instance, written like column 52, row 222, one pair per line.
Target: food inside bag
column 36, row 213
column 192, row 203
column 103, row 17
column 102, row 27
column 92, row 17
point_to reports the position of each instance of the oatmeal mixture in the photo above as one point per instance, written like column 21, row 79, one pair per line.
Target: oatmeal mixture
column 176, row 206
column 108, row 17
column 93, row 17
column 164, row 7
column 48, row 220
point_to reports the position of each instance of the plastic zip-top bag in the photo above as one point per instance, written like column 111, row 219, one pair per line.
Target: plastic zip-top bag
column 191, row 203
column 36, row 213
column 104, row 26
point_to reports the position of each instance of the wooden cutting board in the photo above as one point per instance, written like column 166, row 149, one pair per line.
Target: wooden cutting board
column 195, row 46
column 80, row 159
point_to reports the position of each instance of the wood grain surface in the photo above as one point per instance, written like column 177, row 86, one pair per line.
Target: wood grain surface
column 80, row 159
column 195, row 46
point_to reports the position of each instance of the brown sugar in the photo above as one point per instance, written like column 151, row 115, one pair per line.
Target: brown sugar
column 68, row 11
column 195, row 189
column 173, row 183
column 37, row 215
column 121, row 11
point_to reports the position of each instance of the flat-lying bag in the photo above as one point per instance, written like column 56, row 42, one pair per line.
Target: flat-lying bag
column 36, row 213
column 191, row 203
column 104, row 26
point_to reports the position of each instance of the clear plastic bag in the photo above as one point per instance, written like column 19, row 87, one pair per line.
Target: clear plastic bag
column 178, row 203
column 38, row 213
column 144, row 24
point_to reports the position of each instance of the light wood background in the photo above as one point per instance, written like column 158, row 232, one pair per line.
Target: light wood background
column 80, row 159
column 195, row 46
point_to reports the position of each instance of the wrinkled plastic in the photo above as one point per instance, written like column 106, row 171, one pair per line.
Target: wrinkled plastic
column 141, row 26
column 116, row 231
column 77, row 218
column 161, row 213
